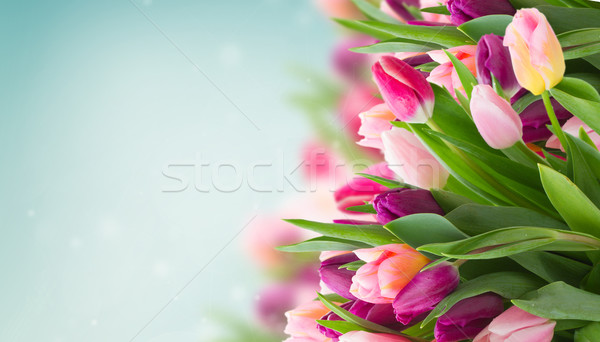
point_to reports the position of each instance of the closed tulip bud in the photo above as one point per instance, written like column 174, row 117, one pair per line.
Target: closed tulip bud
column 464, row 10
column 515, row 324
column 445, row 75
column 493, row 59
column 424, row 292
column 536, row 54
column 382, row 314
column 404, row 89
column 410, row 160
column 387, row 270
column 338, row 279
column 360, row 189
column 497, row 122
column 301, row 324
column 363, row 336
column 468, row 318
column 401, row 202
column 374, row 122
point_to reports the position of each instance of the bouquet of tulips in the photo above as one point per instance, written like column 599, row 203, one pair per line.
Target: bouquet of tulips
column 483, row 223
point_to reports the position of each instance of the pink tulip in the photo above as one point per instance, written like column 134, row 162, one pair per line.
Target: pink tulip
column 572, row 127
column 432, row 17
column 536, row 54
column 404, row 89
column 497, row 122
column 363, row 336
column 515, row 324
column 411, row 161
column 444, row 75
column 359, row 98
column 387, row 270
column 374, row 122
column 302, row 325
column 360, row 189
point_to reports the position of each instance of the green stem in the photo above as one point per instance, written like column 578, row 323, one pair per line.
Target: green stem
column 520, row 153
column 554, row 120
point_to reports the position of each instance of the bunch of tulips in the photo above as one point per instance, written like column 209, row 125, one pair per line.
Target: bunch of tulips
column 483, row 221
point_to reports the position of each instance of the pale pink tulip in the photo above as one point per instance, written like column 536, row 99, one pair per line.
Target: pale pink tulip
column 445, row 75
column 515, row 324
column 404, row 89
column 374, row 122
column 411, row 161
column 344, row 9
column 497, row 122
column 387, row 270
column 432, row 17
column 572, row 127
column 536, row 54
column 302, row 325
column 363, row 336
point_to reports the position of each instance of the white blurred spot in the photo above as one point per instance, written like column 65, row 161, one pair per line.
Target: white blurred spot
column 31, row 213
column 94, row 322
column 75, row 243
column 161, row 269
column 110, row 229
column 147, row 2
column 303, row 18
column 230, row 55
column 238, row 293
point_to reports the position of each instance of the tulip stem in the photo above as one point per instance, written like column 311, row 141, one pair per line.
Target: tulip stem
column 519, row 152
column 554, row 120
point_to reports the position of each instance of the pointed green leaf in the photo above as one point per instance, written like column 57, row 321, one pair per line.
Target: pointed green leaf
column 323, row 243
column 373, row 235
column 478, row 27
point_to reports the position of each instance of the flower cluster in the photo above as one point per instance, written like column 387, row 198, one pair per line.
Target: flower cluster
column 483, row 221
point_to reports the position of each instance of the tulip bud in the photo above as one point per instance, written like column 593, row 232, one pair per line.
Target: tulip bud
column 401, row 202
column 493, row 59
column 445, row 74
column 387, row 270
column 535, row 118
column 424, row 292
column 338, row 279
column 516, row 324
column 374, row 122
column 468, row 318
column 404, row 89
column 410, row 160
column 572, row 126
column 497, row 122
column 464, row 10
column 363, row 336
column 360, row 189
column 382, row 314
column 536, row 54
column 301, row 324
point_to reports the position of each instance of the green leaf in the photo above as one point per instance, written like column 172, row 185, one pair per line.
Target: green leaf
column 509, row 285
column 510, row 241
column 436, row 10
column 447, row 36
column 373, row 235
column 583, row 175
column 570, row 19
column 334, row 297
column 521, row 104
column 474, row 219
column 586, row 138
column 366, row 208
column 420, row 229
column 341, row 326
column 373, row 12
column 591, row 282
column 353, row 266
column 582, row 51
column 397, row 45
column 449, row 200
column 579, row 37
column 478, row 27
column 553, row 267
column 561, row 301
column 590, row 154
column 323, row 243
column 578, row 211
column 584, row 109
column 578, row 88
column 390, row 183
column 589, row 333
column 456, row 187
column 467, row 79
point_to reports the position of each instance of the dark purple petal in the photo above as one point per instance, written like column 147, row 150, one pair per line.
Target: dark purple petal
column 338, row 280
column 401, row 202
column 424, row 292
column 493, row 58
column 399, row 7
column 535, row 118
column 464, row 10
column 468, row 317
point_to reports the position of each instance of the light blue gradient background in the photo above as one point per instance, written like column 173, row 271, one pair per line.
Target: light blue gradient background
column 94, row 103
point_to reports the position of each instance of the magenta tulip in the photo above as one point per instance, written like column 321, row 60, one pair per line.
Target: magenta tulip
column 401, row 202
column 493, row 59
column 424, row 292
column 468, row 318
column 497, row 122
column 464, row 10
column 360, row 189
column 404, row 89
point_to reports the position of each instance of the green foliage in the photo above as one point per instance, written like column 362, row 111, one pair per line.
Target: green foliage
column 373, row 235
column 481, row 26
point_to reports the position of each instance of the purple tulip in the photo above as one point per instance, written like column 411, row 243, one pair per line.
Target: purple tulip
column 351, row 65
column 493, row 58
column 424, row 292
column 464, row 10
column 382, row 314
column 535, row 119
column 338, row 279
column 398, row 6
column 468, row 317
column 401, row 202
